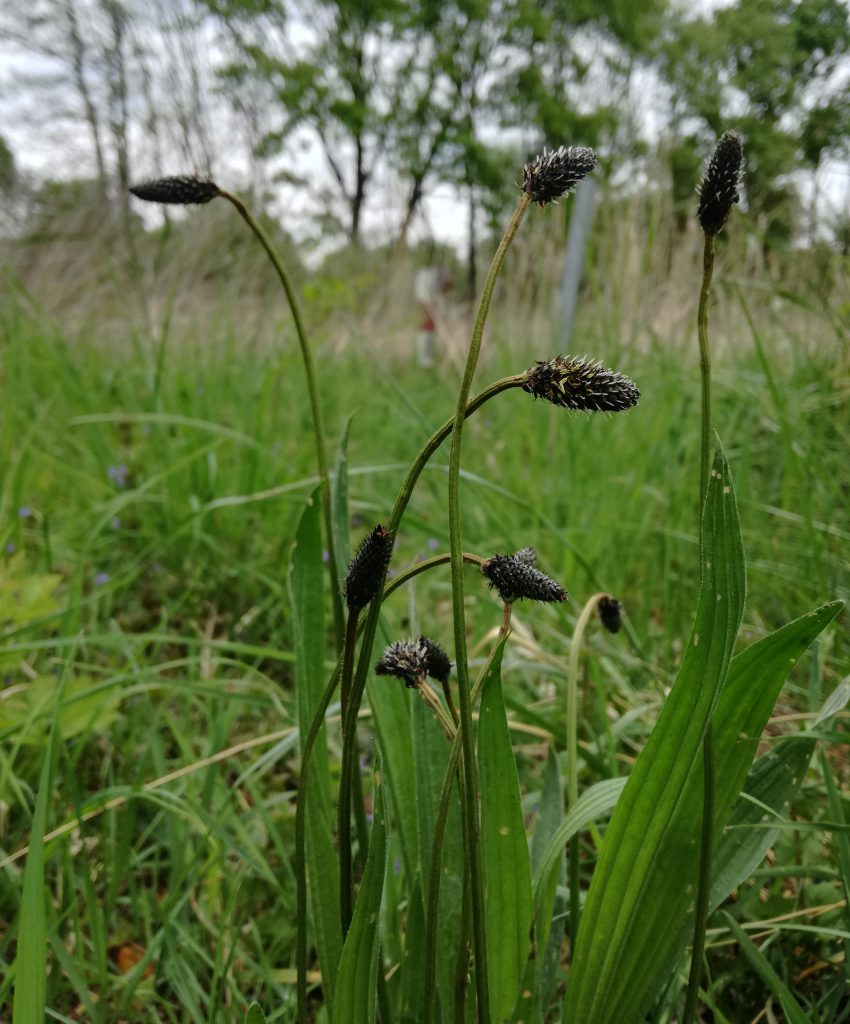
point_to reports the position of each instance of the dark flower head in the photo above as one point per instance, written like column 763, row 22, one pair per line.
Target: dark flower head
column 404, row 659
column 368, row 568
column 413, row 660
column 437, row 664
column 515, row 577
column 718, row 189
column 581, row 384
column 609, row 609
column 555, row 173
column 183, row 189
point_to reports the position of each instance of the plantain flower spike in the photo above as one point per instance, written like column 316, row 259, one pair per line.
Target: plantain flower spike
column 582, row 384
column 413, row 660
column 183, row 190
column 556, row 172
column 368, row 568
column 718, row 190
column 610, row 613
column 516, row 578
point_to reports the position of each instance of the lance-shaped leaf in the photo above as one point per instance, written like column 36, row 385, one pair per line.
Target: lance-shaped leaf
column 648, row 867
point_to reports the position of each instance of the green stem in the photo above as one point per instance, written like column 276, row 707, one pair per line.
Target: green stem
column 432, row 908
column 367, row 632
column 462, row 968
column 346, row 877
column 318, row 428
column 704, row 884
column 471, row 824
column 704, row 881
column 705, row 368
column 572, row 757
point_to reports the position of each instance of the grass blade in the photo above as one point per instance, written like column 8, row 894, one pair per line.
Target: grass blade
column 648, row 865
column 793, row 1011
column 30, row 967
column 357, row 982
column 508, row 911
column 308, row 612
column 255, row 1015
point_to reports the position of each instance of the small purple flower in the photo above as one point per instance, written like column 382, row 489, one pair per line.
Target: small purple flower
column 101, row 579
column 326, row 557
column 118, row 474
column 397, row 867
column 115, row 523
column 24, row 511
column 433, row 544
column 10, row 548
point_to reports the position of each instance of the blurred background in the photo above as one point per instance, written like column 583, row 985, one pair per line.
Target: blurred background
column 366, row 130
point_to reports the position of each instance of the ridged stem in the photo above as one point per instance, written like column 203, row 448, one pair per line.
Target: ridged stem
column 470, row 802
column 315, row 408
column 704, row 880
column 367, row 632
column 433, row 904
column 572, row 757
column 301, row 800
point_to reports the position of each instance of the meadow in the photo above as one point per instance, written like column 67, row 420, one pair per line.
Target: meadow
column 151, row 486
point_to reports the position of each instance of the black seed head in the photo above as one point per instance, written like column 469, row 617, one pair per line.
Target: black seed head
column 516, row 578
column 437, row 664
column 368, row 568
column 581, row 384
column 404, row 659
column 718, row 189
column 183, row 189
column 609, row 609
column 553, row 174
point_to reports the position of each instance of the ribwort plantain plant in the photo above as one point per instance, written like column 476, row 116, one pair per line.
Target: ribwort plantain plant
column 480, row 915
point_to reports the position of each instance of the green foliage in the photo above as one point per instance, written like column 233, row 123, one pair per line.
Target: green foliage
column 507, row 868
column 194, row 644
column 24, row 595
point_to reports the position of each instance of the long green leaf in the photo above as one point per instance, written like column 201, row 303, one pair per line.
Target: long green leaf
column 431, row 756
column 30, row 968
column 752, row 685
column 755, row 678
column 548, row 939
column 308, row 613
column 595, row 801
column 649, row 861
column 357, row 982
column 793, row 1011
column 339, row 503
column 772, row 782
column 508, row 911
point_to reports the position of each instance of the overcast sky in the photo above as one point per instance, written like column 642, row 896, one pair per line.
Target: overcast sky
column 49, row 143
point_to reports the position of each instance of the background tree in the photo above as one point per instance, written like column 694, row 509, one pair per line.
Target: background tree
column 773, row 69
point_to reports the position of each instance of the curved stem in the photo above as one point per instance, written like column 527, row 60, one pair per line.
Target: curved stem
column 307, row 356
column 704, row 880
column 572, row 757
column 367, row 631
column 471, row 824
column 432, row 907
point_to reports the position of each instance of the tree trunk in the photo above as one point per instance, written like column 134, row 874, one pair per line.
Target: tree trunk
column 78, row 63
column 472, row 246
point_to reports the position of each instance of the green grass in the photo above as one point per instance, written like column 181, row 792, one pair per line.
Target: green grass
column 171, row 580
